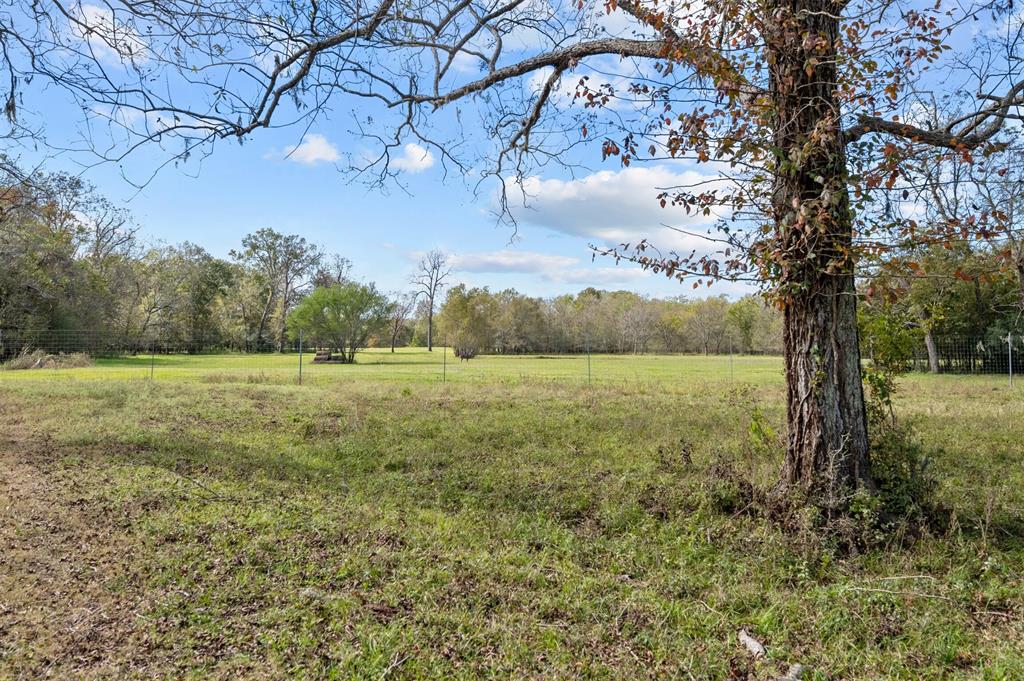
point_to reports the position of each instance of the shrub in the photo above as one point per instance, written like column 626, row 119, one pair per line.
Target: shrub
column 39, row 359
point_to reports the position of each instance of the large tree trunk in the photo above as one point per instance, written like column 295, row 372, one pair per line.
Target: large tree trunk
column 933, row 352
column 827, row 453
column 828, row 440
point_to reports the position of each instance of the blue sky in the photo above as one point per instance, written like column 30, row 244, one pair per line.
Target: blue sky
column 239, row 189
column 292, row 180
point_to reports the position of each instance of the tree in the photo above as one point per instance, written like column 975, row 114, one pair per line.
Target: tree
column 283, row 263
column 66, row 253
column 331, row 271
column 743, row 316
column 999, row 188
column 709, row 323
column 402, row 306
column 431, row 273
column 466, row 319
column 342, row 316
column 809, row 103
column 518, row 323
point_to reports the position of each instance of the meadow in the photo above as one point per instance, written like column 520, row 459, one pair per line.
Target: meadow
column 519, row 519
column 419, row 366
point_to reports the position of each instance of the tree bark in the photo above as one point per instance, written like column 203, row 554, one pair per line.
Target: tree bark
column 933, row 353
column 827, row 453
column 284, row 314
column 263, row 322
column 430, row 325
column 827, row 426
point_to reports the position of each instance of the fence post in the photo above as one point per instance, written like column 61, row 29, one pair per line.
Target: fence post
column 732, row 375
column 444, row 362
column 152, row 359
column 300, row 357
column 590, row 377
column 1009, row 350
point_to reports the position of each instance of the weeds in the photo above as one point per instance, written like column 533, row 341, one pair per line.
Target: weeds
column 38, row 359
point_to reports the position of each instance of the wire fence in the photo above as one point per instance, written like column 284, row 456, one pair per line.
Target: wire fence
column 996, row 354
column 73, row 355
column 103, row 355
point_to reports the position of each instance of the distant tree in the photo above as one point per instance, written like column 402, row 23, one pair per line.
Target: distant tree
column 742, row 317
column 343, row 317
column 205, row 280
column 402, row 306
column 708, row 325
column 430, row 276
column 962, row 291
column 331, row 271
column 519, row 323
column 999, row 188
column 284, row 263
column 467, row 317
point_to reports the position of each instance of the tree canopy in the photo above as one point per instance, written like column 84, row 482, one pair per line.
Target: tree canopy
column 341, row 317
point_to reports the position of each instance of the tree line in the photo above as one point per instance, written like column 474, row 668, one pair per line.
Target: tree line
column 594, row 320
column 76, row 265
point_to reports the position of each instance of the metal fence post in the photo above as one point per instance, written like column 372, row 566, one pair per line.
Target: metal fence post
column 152, row 359
column 444, row 362
column 1009, row 350
column 300, row 357
column 590, row 376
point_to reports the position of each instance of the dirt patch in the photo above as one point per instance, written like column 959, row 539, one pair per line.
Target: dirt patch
column 69, row 607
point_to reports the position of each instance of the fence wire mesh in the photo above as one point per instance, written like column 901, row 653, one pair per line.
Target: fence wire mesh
column 102, row 355
column 77, row 355
column 995, row 354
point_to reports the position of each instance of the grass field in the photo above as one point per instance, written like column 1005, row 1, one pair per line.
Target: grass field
column 416, row 364
column 512, row 522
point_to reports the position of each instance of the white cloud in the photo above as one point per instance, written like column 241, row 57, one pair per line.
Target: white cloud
column 599, row 276
column 613, row 206
column 312, row 150
column 510, row 261
column 108, row 37
column 413, row 159
column 466, row 63
column 561, row 269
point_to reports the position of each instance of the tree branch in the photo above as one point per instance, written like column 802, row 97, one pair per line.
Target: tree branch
column 981, row 126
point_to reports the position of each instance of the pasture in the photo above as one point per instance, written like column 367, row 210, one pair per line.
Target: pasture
column 420, row 366
column 517, row 520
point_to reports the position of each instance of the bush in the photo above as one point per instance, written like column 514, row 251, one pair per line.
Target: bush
column 39, row 359
column 904, row 478
column 900, row 468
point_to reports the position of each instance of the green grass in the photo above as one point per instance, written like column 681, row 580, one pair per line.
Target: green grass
column 418, row 365
column 516, row 523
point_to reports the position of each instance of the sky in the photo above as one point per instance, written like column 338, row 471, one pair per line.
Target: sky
column 294, row 181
